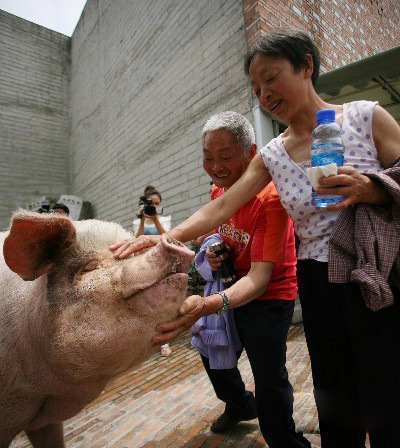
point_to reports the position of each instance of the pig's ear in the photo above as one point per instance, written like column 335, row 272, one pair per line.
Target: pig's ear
column 34, row 241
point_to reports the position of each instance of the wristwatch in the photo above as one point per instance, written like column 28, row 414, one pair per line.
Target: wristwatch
column 225, row 303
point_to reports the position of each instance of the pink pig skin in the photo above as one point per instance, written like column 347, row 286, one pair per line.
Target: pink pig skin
column 81, row 319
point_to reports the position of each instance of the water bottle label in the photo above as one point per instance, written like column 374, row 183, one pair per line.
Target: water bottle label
column 327, row 158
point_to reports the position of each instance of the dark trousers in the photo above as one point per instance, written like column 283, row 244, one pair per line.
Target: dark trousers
column 355, row 361
column 263, row 327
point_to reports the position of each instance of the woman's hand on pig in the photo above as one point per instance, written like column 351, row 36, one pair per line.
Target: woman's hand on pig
column 354, row 186
column 190, row 311
column 128, row 247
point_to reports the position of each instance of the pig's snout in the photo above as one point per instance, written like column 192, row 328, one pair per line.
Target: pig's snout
column 167, row 257
column 184, row 256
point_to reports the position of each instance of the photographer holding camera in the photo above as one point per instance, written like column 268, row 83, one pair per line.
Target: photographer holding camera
column 150, row 220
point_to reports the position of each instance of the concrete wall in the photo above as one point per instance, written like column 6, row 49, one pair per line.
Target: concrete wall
column 34, row 125
column 345, row 31
column 145, row 76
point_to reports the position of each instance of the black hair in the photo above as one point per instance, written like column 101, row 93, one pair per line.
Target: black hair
column 150, row 190
column 289, row 44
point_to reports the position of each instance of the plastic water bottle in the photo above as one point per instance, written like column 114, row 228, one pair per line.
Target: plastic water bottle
column 326, row 147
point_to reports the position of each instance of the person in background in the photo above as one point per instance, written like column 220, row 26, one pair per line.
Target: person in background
column 60, row 209
column 152, row 224
column 196, row 281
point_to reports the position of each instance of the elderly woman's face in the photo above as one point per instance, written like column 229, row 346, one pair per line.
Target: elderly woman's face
column 279, row 89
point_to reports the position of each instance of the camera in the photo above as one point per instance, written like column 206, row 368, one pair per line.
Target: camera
column 148, row 209
column 44, row 207
column 228, row 276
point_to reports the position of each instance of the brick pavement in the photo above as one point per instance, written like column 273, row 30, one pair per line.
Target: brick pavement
column 169, row 403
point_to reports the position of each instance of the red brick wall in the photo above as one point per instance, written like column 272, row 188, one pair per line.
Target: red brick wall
column 345, row 31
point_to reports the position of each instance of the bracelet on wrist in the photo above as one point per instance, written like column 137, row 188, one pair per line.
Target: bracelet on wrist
column 225, row 303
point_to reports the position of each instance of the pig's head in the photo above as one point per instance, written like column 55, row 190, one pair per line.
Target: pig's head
column 96, row 315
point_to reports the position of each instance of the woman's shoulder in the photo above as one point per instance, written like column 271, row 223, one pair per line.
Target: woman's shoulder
column 357, row 118
column 272, row 145
column 359, row 107
column 272, row 150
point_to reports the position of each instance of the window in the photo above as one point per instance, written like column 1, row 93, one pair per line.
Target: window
column 265, row 127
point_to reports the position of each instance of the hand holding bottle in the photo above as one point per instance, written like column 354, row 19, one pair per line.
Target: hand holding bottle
column 353, row 186
column 326, row 148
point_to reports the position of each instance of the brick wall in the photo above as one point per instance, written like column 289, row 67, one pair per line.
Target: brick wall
column 34, row 126
column 345, row 31
column 145, row 77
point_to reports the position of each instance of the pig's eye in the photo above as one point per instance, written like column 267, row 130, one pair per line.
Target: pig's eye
column 90, row 267
column 86, row 269
column 172, row 240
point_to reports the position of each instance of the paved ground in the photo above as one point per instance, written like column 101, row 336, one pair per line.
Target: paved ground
column 169, row 403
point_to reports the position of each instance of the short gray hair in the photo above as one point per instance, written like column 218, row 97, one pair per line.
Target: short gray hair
column 235, row 123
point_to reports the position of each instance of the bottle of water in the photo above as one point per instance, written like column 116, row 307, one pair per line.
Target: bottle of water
column 326, row 147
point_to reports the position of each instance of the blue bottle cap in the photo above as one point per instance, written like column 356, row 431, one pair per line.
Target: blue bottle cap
column 325, row 116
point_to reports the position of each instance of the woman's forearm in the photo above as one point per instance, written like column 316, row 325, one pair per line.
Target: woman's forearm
column 159, row 226
column 203, row 221
column 244, row 290
column 216, row 212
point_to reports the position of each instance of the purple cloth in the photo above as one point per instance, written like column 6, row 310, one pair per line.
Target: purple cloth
column 215, row 336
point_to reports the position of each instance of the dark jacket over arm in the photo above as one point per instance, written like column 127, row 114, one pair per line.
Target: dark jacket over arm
column 365, row 243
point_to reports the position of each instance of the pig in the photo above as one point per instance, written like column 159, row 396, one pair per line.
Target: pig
column 72, row 317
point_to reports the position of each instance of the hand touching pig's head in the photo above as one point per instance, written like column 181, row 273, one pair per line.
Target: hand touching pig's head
column 95, row 315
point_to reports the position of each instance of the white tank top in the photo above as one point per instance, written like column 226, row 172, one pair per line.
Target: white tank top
column 313, row 225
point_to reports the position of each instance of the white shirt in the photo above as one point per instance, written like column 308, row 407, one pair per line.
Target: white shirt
column 165, row 221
